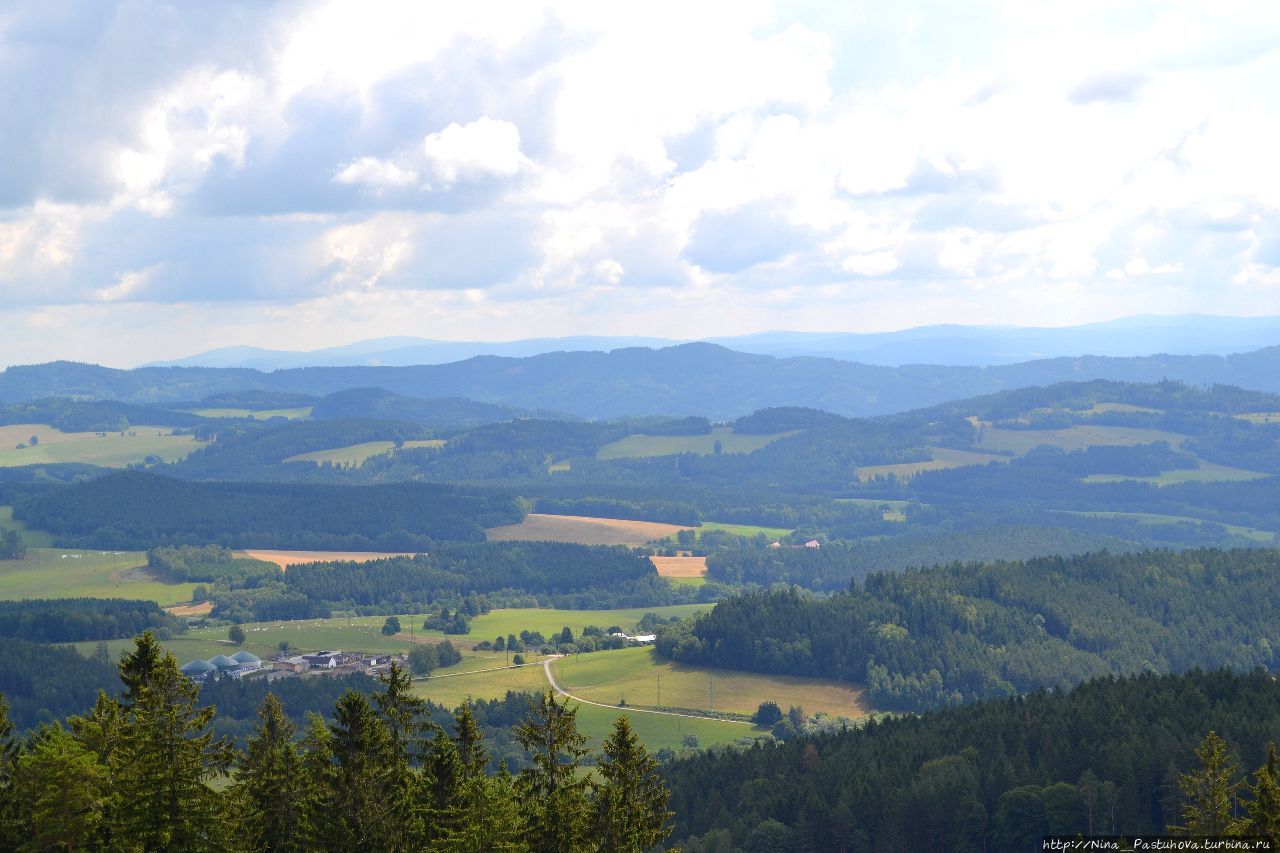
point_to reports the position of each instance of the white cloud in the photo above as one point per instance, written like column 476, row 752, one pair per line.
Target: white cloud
column 482, row 148
column 567, row 161
column 376, row 174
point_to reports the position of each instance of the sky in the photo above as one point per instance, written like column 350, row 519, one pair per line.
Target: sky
column 176, row 177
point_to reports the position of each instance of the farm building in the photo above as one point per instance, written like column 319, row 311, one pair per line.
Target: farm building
column 296, row 664
column 324, row 660
column 198, row 670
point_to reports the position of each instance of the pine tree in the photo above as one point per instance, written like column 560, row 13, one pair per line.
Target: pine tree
column 365, row 806
column 164, row 760
column 631, row 799
column 1210, row 792
column 60, row 791
column 136, row 668
column 9, row 820
column 271, row 782
column 404, row 714
column 560, row 811
column 1262, row 810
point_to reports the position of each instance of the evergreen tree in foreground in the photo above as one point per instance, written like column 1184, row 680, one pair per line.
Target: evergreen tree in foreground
column 135, row 774
column 630, row 807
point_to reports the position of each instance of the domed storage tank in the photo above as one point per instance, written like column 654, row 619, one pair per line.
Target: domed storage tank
column 197, row 668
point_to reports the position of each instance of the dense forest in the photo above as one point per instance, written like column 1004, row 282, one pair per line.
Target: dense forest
column 1105, row 758
column 135, row 773
column 928, row 638
column 137, row 510
column 73, row 620
column 504, row 573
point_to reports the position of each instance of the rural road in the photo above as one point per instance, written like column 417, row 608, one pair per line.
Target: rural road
column 546, row 666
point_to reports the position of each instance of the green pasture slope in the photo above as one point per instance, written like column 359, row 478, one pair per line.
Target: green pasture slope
column 111, row 450
column 646, row 680
column 640, row 446
column 355, row 454
column 259, row 415
column 1265, row 536
column 364, row 633
column 47, row 573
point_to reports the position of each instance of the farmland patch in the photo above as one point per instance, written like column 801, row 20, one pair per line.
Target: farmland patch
column 356, row 454
column 108, row 449
column 582, row 530
column 641, row 446
column 680, row 567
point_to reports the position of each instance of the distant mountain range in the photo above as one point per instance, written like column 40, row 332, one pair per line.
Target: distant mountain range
column 690, row 379
column 943, row 345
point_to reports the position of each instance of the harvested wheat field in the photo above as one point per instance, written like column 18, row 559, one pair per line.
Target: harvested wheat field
column 204, row 608
column 285, row 559
column 582, row 530
column 680, row 567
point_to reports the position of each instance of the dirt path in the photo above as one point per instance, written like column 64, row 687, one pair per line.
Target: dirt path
column 546, row 667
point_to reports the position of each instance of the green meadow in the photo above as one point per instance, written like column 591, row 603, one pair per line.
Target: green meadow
column 640, row 446
column 356, row 454
column 75, row 573
column 744, row 529
column 110, row 450
column 1206, row 473
column 1255, row 534
column 643, row 679
column 259, row 415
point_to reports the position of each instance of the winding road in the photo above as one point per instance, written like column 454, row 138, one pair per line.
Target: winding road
column 546, row 666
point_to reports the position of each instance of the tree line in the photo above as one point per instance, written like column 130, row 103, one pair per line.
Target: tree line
column 927, row 638
column 74, row 620
column 137, row 510
column 1108, row 757
column 136, row 773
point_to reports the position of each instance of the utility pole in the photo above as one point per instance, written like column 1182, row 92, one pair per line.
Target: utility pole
column 711, row 686
column 659, row 690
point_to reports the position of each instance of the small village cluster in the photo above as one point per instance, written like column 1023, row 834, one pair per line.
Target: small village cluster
column 330, row 662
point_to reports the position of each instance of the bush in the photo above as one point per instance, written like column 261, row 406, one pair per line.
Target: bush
column 236, row 635
column 391, row 627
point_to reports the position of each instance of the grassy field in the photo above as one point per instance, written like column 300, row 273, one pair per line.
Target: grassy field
column 744, row 529
column 639, row 675
column 639, row 446
column 46, row 573
column 110, row 450
column 891, row 510
column 943, row 457
column 1206, row 473
column 1099, row 408
column 1078, row 437
column 515, row 620
column 285, row 559
column 355, row 455
column 680, row 567
column 261, row 415
column 582, row 530
column 654, row 730
column 32, row 538
column 1253, row 533
column 363, row 633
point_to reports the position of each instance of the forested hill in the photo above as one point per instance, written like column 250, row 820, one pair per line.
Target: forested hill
column 1103, row 758
column 932, row 637
column 698, row 379
column 136, row 510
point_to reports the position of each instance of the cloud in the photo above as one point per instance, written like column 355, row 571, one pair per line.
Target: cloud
column 485, row 147
column 1114, row 88
column 545, row 168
